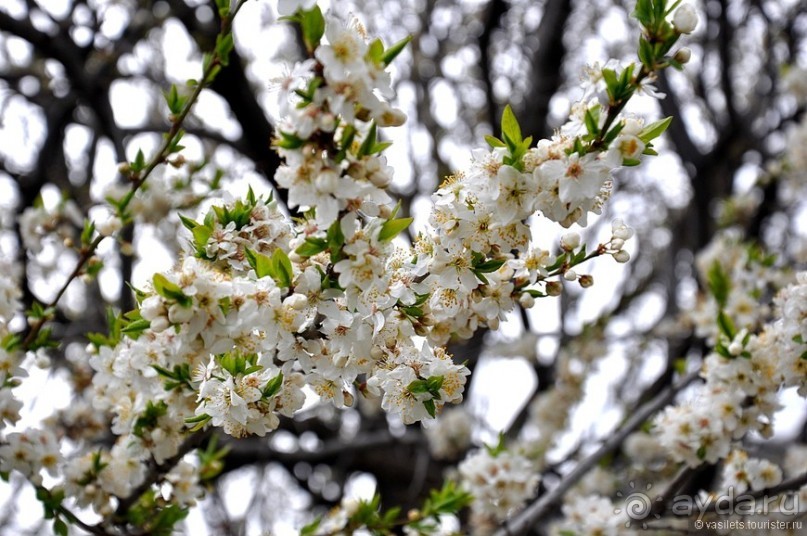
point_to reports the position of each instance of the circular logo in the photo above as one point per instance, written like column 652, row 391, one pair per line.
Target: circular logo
column 638, row 506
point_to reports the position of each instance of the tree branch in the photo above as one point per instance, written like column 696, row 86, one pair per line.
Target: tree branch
column 520, row 523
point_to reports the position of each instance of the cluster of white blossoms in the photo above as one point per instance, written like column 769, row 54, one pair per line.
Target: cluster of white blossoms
column 42, row 226
column 260, row 311
column 591, row 514
column 749, row 276
column 30, row 452
column 501, row 482
column 742, row 473
column 743, row 379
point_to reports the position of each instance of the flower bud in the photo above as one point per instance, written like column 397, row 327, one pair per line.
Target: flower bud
column 585, row 280
column 622, row 256
column 327, row 182
column 735, row 348
column 151, row 308
column 349, row 400
column 685, row 19
column 683, row 55
column 392, row 117
column 339, row 361
column 380, row 179
column 617, row 244
column 569, row 241
column 526, row 301
column 620, row 230
column 159, row 324
column 554, row 288
column 570, row 275
column 178, row 314
column 109, row 226
column 297, row 301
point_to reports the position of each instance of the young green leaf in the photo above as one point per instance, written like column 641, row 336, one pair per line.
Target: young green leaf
column 654, row 130
column 392, row 228
column 510, row 126
column 392, row 52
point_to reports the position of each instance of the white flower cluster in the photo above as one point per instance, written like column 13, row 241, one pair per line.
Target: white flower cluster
column 260, row 310
column 500, row 483
column 592, row 514
column 30, row 452
column 41, row 226
column 741, row 390
column 742, row 473
column 749, row 274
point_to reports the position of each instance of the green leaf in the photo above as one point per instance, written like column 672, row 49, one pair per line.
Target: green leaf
column 173, row 100
column 273, row 386
column 646, row 53
column 430, row 408
column 489, row 266
column 189, row 224
column 223, row 7
column 498, row 448
column 510, row 126
column 369, row 141
column 311, row 247
column 284, row 273
column 493, row 141
column 139, row 163
column 289, row 141
column 392, row 228
column 418, row 386
column 392, row 52
column 336, row 239
column 592, row 119
column 87, row 232
column 375, row 51
column 259, row 262
column 434, row 383
column 136, row 327
column 59, row 527
column 719, row 285
column 311, row 528
column 654, row 130
column 348, row 134
column 312, row 24
column 448, row 500
column 169, row 290
column 726, row 325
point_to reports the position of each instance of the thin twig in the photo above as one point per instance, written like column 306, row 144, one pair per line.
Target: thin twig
column 541, row 507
